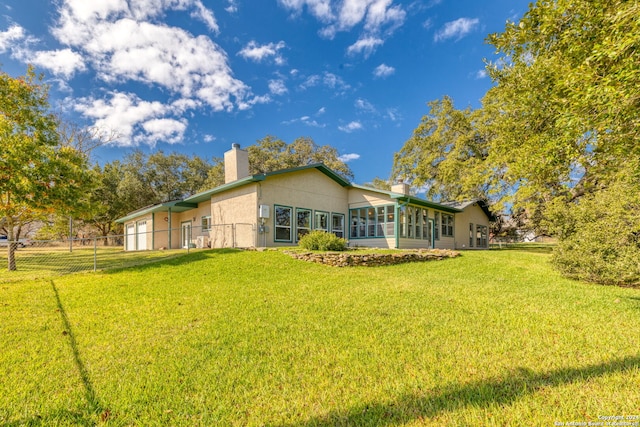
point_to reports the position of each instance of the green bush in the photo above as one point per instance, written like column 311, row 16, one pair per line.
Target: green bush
column 602, row 241
column 319, row 240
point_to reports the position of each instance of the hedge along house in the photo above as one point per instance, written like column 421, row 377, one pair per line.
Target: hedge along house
column 277, row 208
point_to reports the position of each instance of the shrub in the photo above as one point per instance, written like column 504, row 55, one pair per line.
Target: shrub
column 603, row 242
column 319, row 240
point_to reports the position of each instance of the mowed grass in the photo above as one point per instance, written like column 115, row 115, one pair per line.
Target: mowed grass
column 234, row 338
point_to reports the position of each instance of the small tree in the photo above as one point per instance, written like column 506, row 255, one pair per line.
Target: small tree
column 38, row 174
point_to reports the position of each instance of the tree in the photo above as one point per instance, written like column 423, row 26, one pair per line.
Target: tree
column 446, row 154
column 271, row 154
column 38, row 175
column 558, row 128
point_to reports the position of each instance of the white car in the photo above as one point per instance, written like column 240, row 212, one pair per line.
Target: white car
column 21, row 242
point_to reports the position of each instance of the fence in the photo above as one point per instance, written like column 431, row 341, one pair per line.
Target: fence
column 33, row 259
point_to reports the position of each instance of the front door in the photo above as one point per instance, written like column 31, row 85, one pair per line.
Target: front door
column 186, row 234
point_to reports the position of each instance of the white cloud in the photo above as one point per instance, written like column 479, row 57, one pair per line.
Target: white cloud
column 9, row 38
column 456, row 29
column 364, row 105
column 346, row 158
column 383, row 70
column 353, row 126
column 481, row 74
column 366, row 45
column 208, row 138
column 232, row 7
column 377, row 19
column 306, row 120
column 321, row 111
column 170, row 131
column 277, row 87
column 63, row 62
column 393, row 114
column 329, row 80
column 127, row 115
column 258, row 53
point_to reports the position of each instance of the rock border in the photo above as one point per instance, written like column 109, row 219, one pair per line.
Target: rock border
column 369, row 259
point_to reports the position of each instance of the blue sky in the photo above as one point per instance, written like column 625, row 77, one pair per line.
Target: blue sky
column 194, row 76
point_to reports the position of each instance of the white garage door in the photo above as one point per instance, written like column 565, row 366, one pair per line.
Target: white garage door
column 142, row 235
column 131, row 237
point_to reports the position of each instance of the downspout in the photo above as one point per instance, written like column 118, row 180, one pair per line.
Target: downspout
column 169, row 229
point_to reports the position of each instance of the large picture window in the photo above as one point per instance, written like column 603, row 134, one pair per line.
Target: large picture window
column 283, row 223
column 372, row 222
column 303, row 222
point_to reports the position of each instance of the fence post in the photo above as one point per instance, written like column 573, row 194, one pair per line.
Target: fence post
column 95, row 254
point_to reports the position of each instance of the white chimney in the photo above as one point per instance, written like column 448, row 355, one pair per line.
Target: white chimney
column 401, row 187
column 236, row 164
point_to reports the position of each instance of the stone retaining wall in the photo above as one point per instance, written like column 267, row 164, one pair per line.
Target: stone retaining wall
column 351, row 258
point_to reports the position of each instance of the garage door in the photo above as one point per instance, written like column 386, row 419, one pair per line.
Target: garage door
column 142, row 235
column 131, row 237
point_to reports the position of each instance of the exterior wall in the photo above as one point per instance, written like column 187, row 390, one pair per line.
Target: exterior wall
column 472, row 214
column 378, row 242
column 234, row 216
column 194, row 216
column 306, row 189
column 445, row 242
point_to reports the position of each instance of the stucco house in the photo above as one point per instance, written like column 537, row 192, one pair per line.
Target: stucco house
column 277, row 208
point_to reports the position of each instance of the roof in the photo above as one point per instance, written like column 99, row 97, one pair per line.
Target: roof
column 465, row 204
column 174, row 206
column 192, row 201
column 411, row 199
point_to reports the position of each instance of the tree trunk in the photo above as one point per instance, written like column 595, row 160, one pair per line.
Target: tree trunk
column 11, row 255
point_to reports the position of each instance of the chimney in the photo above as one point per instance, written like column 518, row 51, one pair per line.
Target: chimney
column 401, row 187
column 236, row 164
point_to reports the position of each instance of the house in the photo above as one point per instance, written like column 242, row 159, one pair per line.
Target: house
column 277, row 208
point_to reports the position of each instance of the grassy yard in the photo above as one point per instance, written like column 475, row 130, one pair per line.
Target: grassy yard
column 235, row 338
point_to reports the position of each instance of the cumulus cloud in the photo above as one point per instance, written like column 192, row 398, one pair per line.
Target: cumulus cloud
column 63, row 62
column 126, row 42
column 383, row 70
column 456, row 29
column 8, row 38
column 255, row 52
column 351, row 127
column 377, row 19
column 346, row 158
column 364, row 105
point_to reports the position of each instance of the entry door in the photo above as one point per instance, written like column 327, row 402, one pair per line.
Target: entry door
column 131, row 237
column 142, row 236
column 186, row 234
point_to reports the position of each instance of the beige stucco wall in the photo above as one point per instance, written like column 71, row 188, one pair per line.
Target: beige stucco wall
column 234, row 215
column 360, row 198
column 472, row 214
column 308, row 189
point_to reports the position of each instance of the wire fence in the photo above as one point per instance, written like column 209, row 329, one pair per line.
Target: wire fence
column 32, row 259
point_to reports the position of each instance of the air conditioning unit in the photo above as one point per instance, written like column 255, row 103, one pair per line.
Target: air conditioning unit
column 202, row 242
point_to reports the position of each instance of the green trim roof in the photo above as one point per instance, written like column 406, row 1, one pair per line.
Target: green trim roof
column 175, row 206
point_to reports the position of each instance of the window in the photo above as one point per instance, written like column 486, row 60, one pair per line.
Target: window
column 391, row 223
column 337, row 225
column 303, row 222
column 481, row 236
column 436, row 228
column 402, row 218
column 471, row 235
column 426, row 229
column 381, row 219
column 321, row 221
column 206, row 223
column 371, row 222
column 283, row 223
column 447, row 225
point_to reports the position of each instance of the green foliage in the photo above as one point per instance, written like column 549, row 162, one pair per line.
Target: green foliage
column 319, row 240
column 601, row 235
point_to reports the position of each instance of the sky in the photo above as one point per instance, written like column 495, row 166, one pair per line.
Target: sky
column 195, row 76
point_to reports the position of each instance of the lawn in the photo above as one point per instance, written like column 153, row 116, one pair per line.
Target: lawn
column 235, row 338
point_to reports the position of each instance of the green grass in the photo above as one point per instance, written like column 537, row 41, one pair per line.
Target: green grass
column 235, row 338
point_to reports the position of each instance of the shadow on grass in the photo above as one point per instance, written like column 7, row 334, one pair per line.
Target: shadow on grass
column 499, row 391
column 95, row 407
